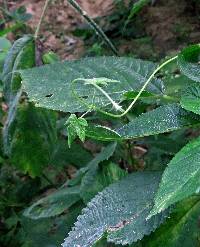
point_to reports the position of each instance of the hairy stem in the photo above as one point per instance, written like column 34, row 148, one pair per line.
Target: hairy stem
column 41, row 18
column 93, row 24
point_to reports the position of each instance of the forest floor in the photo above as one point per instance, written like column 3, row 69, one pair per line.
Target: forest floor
column 159, row 29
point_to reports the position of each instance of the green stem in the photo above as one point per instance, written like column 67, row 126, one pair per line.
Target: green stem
column 141, row 90
column 41, row 18
column 93, row 24
column 117, row 107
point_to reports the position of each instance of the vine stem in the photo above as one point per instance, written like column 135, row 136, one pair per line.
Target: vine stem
column 133, row 102
column 41, row 18
column 93, row 24
column 145, row 85
column 83, row 115
column 115, row 105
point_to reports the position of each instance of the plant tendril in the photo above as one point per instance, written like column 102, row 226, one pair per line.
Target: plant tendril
column 116, row 106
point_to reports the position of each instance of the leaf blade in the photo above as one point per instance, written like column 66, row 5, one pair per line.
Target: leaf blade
column 113, row 211
column 180, row 178
column 44, row 81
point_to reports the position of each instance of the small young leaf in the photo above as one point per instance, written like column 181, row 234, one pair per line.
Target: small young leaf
column 181, row 177
column 76, row 127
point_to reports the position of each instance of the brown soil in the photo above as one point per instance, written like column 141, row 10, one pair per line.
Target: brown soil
column 169, row 24
column 60, row 20
column 172, row 24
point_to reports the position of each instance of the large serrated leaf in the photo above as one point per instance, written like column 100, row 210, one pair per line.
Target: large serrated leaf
column 50, row 86
column 163, row 119
column 119, row 211
column 181, row 177
column 160, row 120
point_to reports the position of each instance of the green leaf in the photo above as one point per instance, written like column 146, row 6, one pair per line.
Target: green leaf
column 13, row 28
column 119, row 212
column 76, row 155
column 104, row 155
column 133, row 94
column 181, row 229
column 53, row 204
column 4, row 47
column 99, row 177
column 137, row 6
column 181, row 177
column 20, row 56
column 33, row 139
column 160, row 120
column 50, row 57
column 76, row 127
column 190, row 98
column 102, row 133
column 50, row 86
column 48, row 232
column 188, row 62
column 163, row 119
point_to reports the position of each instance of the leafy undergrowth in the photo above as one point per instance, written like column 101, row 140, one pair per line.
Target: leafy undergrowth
column 101, row 151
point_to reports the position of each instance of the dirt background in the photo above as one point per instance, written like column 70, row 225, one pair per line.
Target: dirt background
column 170, row 25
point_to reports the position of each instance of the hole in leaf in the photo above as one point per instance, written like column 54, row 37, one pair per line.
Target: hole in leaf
column 49, row 95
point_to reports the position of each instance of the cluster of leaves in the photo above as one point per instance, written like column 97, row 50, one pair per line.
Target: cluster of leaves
column 134, row 207
column 117, row 200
